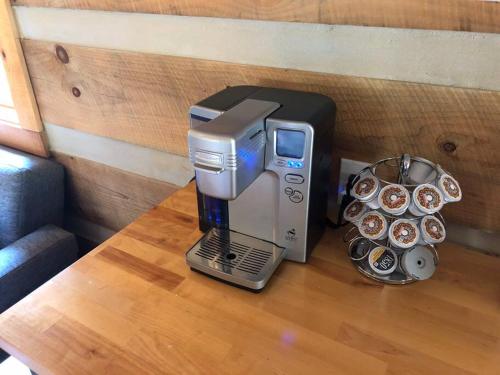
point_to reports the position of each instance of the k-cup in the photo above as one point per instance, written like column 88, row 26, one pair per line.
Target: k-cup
column 382, row 260
column 366, row 189
column 394, row 199
column 419, row 263
column 426, row 200
column 450, row 188
column 432, row 230
column 373, row 225
column 354, row 211
column 404, row 233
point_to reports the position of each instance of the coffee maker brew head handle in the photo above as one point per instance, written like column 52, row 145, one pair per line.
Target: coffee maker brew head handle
column 228, row 152
column 207, row 168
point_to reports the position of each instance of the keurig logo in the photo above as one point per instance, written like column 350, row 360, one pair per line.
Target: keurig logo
column 429, row 197
column 365, row 186
column 451, row 187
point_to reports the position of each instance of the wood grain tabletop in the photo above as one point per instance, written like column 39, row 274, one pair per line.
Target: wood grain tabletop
column 132, row 306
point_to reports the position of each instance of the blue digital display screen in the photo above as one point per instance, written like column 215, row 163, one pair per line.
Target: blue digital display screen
column 290, row 143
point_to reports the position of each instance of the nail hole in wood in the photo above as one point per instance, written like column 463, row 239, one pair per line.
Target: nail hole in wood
column 4, row 56
column 62, row 55
column 449, row 147
column 76, row 92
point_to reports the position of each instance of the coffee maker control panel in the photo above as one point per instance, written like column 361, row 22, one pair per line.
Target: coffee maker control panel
column 290, row 159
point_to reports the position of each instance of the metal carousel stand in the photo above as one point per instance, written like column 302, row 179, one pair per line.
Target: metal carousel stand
column 411, row 172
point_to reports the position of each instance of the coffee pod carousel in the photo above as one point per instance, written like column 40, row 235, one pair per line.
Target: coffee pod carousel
column 395, row 218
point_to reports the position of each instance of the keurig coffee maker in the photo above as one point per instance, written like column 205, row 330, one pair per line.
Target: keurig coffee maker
column 262, row 162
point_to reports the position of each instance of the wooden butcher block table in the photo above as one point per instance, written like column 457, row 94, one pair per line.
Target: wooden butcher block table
column 132, row 306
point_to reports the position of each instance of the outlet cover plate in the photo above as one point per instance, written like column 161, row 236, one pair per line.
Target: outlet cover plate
column 348, row 167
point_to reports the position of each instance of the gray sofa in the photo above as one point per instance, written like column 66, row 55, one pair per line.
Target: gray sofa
column 33, row 247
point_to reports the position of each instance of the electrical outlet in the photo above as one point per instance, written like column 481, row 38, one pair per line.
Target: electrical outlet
column 348, row 167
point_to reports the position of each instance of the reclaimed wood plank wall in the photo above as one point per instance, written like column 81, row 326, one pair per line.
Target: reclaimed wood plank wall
column 138, row 92
column 460, row 15
column 109, row 196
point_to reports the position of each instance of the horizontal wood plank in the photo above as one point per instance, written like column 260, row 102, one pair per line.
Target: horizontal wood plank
column 144, row 161
column 140, row 268
column 408, row 55
column 24, row 140
column 108, row 196
column 133, row 307
column 144, row 99
column 463, row 15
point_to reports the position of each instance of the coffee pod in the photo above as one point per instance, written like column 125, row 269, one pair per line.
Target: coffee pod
column 394, row 199
column 432, row 230
column 382, row 260
column 426, row 200
column 419, row 263
column 450, row 188
column 366, row 190
column 373, row 225
column 403, row 233
column 354, row 211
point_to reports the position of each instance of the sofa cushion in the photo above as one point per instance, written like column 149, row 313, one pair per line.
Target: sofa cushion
column 31, row 194
column 29, row 262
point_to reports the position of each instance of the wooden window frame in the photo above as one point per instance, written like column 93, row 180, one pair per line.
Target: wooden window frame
column 29, row 136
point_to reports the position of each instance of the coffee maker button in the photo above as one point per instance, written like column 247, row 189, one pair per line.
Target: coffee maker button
column 296, row 197
column 294, row 178
column 288, row 191
column 280, row 162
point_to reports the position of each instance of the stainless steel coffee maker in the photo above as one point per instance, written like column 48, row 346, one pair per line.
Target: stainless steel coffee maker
column 262, row 158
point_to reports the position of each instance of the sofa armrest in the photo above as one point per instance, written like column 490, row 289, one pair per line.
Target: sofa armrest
column 32, row 260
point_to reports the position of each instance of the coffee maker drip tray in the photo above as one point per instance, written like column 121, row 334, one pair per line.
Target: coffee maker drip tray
column 236, row 258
